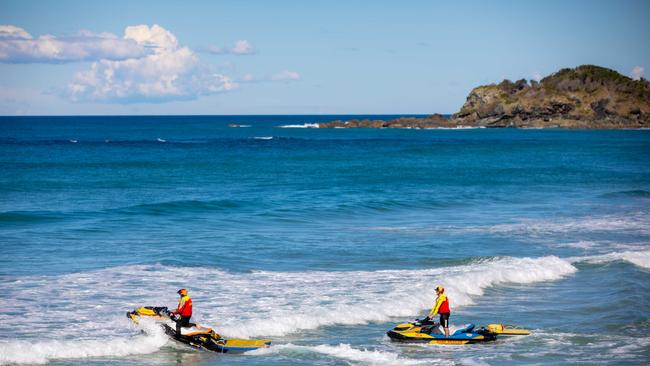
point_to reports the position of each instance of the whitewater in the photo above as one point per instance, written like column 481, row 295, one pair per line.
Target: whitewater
column 320, row 239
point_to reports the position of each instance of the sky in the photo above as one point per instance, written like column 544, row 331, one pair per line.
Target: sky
column 298, row 57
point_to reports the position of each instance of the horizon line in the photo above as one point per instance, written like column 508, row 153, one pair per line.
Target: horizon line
column 220, row 115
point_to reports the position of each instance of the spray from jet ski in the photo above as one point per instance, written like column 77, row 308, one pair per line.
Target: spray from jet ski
column 196, row 335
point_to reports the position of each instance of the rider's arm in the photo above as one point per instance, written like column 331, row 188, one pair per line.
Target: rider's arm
column 436, row 307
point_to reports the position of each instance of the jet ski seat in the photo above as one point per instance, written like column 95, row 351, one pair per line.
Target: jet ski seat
column 195, row 330
column 431, row 329
column 467, row 329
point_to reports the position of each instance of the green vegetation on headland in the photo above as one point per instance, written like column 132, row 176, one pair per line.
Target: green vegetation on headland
column 584, row 97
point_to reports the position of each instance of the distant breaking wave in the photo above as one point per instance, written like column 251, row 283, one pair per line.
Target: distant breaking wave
column 304, row 125
column 638, row 258
column 636, row 222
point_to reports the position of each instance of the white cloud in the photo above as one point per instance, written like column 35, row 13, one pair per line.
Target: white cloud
column 637, row 72
column 18, row 46
column 285, row 76
column 10, row 31
column 241, row 47
column 145, row 65
column 170, row 72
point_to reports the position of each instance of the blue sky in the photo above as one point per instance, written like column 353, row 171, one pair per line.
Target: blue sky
column 297, row 57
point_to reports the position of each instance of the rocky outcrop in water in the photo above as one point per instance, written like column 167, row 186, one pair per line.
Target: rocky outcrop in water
column 584, row 97
column 432, row 121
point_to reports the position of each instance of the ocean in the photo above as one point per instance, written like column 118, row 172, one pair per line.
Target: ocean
column 320, row 239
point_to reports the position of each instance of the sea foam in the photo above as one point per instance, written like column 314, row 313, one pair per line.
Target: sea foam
column 348, row 353
column 41, row 352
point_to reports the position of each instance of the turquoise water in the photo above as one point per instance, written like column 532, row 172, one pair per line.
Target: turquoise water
column 320, row 239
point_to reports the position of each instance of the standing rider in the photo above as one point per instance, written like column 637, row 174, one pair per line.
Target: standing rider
column 184, row 310
column 441, row 307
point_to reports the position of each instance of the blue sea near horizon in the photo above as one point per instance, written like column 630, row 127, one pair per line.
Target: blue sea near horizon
column 320, row 239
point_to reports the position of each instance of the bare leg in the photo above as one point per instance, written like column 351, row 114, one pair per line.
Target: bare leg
column 446, row 332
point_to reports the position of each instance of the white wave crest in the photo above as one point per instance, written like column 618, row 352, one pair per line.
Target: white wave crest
column 638, row 258
column 361, row 297
column 305, row 125
column 263, row 137
column 41, row 352
column 261, row 303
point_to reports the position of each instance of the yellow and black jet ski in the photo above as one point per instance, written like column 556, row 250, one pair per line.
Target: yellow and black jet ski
column 429, row 332
column 196, row 336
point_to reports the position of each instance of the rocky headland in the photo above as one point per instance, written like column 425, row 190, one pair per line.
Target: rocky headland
column 583, row 97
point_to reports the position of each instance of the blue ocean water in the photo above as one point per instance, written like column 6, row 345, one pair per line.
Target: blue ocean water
column 320, row 239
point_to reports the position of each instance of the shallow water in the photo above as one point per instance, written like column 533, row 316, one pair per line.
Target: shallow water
column 320, row 240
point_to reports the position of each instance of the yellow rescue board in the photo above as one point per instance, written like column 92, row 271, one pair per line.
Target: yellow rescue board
column 247, row 343
column 504, row 329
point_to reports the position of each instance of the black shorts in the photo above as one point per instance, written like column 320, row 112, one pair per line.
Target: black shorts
column 184, row 321
column 444, row 320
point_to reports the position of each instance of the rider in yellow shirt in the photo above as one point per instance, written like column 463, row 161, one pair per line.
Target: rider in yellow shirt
column 183, row 310
column 441, row 307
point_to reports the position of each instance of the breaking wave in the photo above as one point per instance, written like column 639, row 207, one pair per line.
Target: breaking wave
column 253, row 304
column 638, row 258
column 41, row 352
column 260, row 303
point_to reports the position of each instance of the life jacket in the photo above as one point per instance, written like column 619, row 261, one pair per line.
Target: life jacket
column 184, row 306
column 441, row 306
column 444, row 305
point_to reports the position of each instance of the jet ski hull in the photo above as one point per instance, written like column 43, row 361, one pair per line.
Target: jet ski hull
column 417, row 333
column 197, row 336
column 217, row 344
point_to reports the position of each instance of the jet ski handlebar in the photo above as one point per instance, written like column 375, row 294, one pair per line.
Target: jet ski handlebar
column 425, row 321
